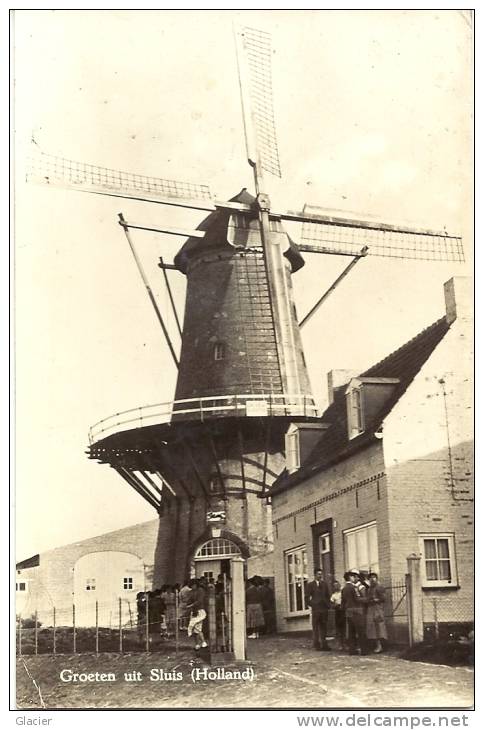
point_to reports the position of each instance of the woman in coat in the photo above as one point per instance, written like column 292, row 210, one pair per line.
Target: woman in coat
column 255, row 612
column 375, row 617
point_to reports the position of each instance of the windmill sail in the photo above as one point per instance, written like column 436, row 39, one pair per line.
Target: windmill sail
column 60, row 171
column 255, row 74
column 346, row 236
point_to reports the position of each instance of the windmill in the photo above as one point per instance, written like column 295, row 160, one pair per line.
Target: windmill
column 206, row 460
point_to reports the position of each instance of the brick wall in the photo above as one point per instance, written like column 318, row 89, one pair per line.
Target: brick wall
column 249, row 517
column 426, row 456
column 227, row 301
column 428, row 444
column 350, row 494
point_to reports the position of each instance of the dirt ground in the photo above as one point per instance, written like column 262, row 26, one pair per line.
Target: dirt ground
column 288, row 673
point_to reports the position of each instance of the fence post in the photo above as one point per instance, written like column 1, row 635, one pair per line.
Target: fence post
column 415, row 612
column 238, row 608
column 228, row 612
column 36, row 633
column 147, row 623
column 212, row 620
column 120, row 626
column 177, row 617
column 226, row 617
column 54, row 648
column 97, row 628
column 74, row 628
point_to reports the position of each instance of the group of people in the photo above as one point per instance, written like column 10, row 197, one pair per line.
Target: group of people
column 358, row 610
column 161, row 609
column 158, row 608
column 260, row 607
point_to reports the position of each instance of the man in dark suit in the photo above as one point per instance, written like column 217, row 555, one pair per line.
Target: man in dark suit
column 353, row 605
column 318, row 598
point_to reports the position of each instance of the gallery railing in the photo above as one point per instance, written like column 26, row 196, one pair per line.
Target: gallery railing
column 265, row 404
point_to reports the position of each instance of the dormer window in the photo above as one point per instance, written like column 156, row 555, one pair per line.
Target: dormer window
column 354, row 405
column 219, row 351
column 293, row 451
column 366, row 397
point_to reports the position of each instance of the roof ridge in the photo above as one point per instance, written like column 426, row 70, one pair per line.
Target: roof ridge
column 334, row 445
column 404, row 346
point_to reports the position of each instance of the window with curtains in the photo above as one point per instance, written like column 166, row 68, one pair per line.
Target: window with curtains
column 439, row 568
column 296, row 578
column 361, row 548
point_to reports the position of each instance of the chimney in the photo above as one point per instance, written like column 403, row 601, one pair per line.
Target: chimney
column 458, row 295
column 338, row 379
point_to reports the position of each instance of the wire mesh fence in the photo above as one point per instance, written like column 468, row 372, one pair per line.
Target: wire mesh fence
column 124, row 626
column 446, row 616
column 396, row 610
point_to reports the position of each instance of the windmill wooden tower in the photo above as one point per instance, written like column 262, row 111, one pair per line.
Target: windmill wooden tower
column 206, row 460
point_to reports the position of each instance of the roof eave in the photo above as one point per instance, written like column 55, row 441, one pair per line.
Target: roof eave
column 283, row 484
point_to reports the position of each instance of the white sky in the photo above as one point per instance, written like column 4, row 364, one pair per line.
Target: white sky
column 373, row 113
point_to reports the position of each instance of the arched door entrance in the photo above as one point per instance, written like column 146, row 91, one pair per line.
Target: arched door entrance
column 213, row 557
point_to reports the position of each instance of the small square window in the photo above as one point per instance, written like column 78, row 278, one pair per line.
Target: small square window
column 20, row 586
column 219, row 351
column 128, row 584
column 439, row 567
column 90, row 584
column 215, row 484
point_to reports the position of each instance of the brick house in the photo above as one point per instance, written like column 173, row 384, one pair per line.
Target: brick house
column 389, row 474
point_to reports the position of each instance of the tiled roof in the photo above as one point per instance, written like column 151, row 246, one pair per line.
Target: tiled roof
column 334, row 445
column 32, row 562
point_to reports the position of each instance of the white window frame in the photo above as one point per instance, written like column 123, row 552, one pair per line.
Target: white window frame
column 19, row 583
column 90, row 584
column 374, row 565
column 217, row 548
column 438, row 583
column 291, row 588
column 293, row 449
column 354, row 409
column 126, row 583
column 324, row 545
column 219, row 350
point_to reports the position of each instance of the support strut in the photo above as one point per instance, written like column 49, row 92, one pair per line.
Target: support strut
column 333, row 286
column 124, row 225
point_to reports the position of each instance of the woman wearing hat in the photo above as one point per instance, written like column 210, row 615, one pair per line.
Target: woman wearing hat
column 375, row 617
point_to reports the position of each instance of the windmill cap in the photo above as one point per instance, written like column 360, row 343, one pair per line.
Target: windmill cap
column 215, row 226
